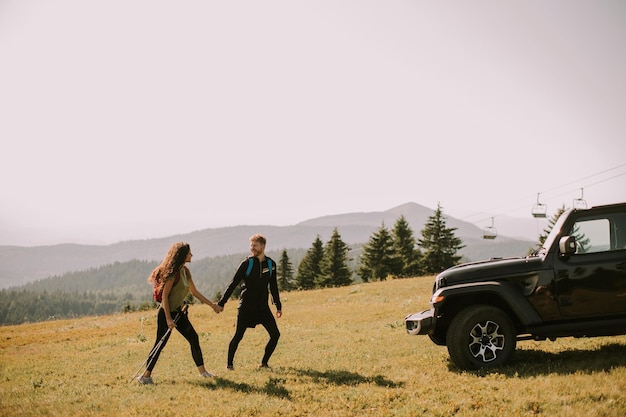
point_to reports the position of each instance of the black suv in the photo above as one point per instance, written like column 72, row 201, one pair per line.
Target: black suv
column 574, row 285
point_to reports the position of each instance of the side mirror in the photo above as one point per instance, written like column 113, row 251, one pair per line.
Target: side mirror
column 567, row 245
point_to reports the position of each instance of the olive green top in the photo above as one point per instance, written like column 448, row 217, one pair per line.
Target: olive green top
column 180, row 290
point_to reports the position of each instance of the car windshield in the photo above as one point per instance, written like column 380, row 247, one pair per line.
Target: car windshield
column 554, row 233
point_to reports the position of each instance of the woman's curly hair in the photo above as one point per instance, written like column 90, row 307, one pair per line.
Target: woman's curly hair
column 171, row 264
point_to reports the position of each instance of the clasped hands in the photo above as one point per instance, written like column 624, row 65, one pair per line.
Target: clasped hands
column 218, row 309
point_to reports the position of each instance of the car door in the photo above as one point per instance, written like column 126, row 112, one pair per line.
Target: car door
column 592, row 282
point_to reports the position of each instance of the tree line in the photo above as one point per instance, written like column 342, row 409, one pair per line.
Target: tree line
column 121, row 287
column 388, row 254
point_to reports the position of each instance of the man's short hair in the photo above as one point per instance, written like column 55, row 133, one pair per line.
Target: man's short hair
column 258, row 238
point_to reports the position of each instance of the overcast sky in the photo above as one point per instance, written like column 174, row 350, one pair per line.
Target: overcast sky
column 126, row 119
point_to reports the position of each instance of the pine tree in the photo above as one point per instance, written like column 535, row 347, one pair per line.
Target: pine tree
column 404, row 247
column 335, row 271
column 551, row 222
column 285, row 273
column 310, row 268
column 581, row 239
column 378, row 260
column 439, row 243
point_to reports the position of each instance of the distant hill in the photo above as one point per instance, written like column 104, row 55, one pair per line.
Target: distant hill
column 20, row 265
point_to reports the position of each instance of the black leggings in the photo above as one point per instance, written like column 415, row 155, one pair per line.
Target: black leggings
column 184, row 327
column 268, row 321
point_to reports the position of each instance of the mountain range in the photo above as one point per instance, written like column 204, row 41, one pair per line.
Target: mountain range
column 20, row 265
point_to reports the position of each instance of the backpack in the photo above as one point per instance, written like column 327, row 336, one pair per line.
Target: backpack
column 251, row 263
column 158, row 292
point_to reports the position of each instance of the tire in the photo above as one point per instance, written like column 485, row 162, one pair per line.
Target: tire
column 437, row 340
column 481, row 336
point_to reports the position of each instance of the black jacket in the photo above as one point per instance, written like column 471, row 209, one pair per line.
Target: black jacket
column 254, row 289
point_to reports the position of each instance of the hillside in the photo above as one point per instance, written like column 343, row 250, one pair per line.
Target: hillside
column 343, row 352
column 121, row 286
column 20, row 265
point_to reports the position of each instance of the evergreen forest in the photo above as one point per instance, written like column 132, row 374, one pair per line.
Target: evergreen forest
column 123, row 287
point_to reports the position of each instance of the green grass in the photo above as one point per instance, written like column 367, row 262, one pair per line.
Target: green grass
column 343, row 352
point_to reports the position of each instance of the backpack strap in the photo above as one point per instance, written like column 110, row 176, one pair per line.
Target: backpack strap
column 251, row 263
column 178, row 274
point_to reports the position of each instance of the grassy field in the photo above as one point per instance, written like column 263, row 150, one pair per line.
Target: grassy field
column 343, row 352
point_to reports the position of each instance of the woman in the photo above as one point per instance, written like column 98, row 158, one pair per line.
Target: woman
column 175, row 280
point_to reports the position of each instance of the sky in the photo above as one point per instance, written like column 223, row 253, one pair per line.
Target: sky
column 137, row 119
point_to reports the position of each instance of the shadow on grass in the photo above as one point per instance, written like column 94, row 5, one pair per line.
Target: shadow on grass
column 529, row 363
column 274, row 387
column 342, row 377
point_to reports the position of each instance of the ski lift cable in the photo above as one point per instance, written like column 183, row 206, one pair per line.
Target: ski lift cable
column 605, row 180
column 585, row 178
column 588, row 185
column 517, row 208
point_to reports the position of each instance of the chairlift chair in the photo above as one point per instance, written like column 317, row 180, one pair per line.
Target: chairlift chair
column 490, row 232
column 539, row 210
column 579, row 203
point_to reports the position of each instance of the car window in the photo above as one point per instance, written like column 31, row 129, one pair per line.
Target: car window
column 619, row 230
column 592, row 235
column 600, row 234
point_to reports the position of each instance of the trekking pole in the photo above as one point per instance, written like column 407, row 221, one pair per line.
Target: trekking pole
column 157, row 346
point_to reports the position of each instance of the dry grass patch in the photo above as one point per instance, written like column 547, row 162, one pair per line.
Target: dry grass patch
column 343, row 352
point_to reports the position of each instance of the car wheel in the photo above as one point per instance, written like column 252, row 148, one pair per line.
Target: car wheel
column 480, row 337
column 439, row 341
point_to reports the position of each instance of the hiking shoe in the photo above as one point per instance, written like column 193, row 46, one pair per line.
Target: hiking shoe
column 264, row 365
column 145, row 380
column 230, row 367
column 207, row 374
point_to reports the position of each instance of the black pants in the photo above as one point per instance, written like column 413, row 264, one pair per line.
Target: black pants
column 184, row 327
column 245, row 320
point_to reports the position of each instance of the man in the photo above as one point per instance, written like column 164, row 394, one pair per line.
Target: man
column 257, row 273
